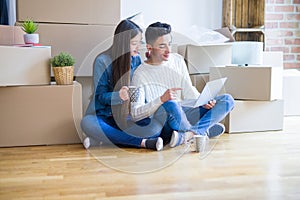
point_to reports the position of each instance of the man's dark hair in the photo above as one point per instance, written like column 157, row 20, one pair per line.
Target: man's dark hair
column 156, row 30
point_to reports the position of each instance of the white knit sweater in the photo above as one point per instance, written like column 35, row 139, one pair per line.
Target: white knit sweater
column 154, row 80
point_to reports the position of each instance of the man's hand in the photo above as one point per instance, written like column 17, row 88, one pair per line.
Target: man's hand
column 210, row 104
column 170, row 94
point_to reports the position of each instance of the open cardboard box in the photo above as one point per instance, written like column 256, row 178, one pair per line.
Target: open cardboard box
column 200, row 57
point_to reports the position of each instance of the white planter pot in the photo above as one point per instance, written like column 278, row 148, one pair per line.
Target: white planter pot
column 31, row 38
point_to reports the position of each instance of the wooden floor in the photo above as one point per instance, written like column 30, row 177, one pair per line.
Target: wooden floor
column 262, row 165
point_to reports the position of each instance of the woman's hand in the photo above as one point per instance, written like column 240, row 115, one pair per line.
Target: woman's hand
column 210, row 104
column 170, row 94
column 123, row 93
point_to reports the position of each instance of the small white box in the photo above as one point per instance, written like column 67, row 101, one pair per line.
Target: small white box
column 250, row 83
column 24, row 65
column 273, row 58
column 200, row 58
column 199, row 80
column 70, row 11
column 291, row 94
column 40, row 115
column 247, row 53
column 252, row 116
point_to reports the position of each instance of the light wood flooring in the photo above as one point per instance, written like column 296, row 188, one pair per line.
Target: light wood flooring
column 260, row 165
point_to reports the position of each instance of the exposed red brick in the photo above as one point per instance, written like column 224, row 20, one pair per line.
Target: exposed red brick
column 271, row 25
column 292, row 17
column 268, row 49
column 274, row 42
column 288, row 57
column 289, row 25
column 295, row 49
column 296, row 1
column 291, row 65
column 274, row 17
column 278, row 33
column 282, row 48
column 284, row 8
column 292, row 41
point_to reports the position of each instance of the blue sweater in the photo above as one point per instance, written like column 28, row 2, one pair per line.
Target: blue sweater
column 103, row 96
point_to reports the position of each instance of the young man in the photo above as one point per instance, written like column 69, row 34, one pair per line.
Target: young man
column 164, row 82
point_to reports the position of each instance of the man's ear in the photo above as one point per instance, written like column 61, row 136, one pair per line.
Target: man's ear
column 149, row 47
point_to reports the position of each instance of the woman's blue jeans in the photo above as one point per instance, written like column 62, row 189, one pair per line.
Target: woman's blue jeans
column 197, row 120
column 103, row 132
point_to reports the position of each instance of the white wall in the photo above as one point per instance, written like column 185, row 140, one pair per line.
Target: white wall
column 181, row 14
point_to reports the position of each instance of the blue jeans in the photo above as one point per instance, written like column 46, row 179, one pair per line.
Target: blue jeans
column 197, row 120
column 104, row 131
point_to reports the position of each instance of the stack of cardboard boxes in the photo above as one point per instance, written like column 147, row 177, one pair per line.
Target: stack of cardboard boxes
column 34, row 111
column 83, row 28
column 257, row 90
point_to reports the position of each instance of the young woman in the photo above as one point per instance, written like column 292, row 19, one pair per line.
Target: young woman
column 107, row 117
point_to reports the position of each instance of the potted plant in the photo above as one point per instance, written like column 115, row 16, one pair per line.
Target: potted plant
column 30, row 27
column 63, row 68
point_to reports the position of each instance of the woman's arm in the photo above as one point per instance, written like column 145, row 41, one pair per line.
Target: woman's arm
column 103, row 81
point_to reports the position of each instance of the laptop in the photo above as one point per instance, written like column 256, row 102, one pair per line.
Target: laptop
column 209, row 92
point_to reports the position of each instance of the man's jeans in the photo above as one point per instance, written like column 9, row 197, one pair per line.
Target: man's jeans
column 197, row 120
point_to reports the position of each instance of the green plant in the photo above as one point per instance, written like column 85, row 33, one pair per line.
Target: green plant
column 62, row 59
column 29, row 26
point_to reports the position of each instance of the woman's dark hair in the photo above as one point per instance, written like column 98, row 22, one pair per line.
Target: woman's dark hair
column 121, row 65
column 120, row 49
column 156, row 30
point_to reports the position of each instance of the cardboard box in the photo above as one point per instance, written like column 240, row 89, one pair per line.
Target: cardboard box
column 199, row 80
column 40, row 115
column 200, row 58
column 84, row 42
column 250, row 83
column 24, row 65
column 252, row 116
column 227, row 33
column 70, row 11
column 11, row 35
column 291, row 94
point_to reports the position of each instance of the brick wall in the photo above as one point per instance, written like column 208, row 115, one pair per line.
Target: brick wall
column 282, row 26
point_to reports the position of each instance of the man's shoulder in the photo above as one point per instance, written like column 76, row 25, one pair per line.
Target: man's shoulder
column 176, row 56
column 142, row 67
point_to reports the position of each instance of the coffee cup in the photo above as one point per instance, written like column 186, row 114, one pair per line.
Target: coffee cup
column 200, row 143
column 133, row 93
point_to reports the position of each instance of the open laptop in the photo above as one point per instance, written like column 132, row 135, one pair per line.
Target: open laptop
column 209, row 92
